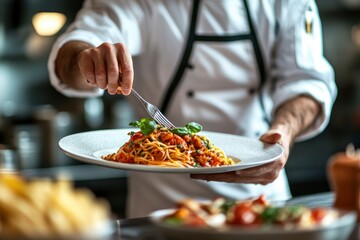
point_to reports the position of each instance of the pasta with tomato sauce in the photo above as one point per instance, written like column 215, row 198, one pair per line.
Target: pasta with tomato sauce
column 162, row 147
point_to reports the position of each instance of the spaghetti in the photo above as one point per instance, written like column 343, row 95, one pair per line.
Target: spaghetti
column 164, row 147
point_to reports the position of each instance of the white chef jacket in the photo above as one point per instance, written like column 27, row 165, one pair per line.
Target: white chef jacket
column 225, row 64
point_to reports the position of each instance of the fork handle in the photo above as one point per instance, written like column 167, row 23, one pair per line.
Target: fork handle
column 137, row 95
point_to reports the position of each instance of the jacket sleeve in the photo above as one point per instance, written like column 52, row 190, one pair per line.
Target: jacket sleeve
column 299, row 66
column 102, row 21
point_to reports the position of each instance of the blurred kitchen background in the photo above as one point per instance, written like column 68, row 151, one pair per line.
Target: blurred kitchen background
column 34, row 116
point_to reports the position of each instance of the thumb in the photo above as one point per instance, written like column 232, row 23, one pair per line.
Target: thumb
column 271, row 136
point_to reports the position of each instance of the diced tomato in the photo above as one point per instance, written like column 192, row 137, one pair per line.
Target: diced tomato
column 178, row 141
column 244, row 215
column 215, row 162
column 198, row 143
column 165, row 136
column 125, row 158
column 172, row 139
column 261, row 200
column 159, row 155
column 136, row 136
column 201, row 159
column 187, row 138
column 318, row 214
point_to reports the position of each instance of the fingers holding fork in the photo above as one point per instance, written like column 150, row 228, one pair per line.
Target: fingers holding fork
column 104, row 65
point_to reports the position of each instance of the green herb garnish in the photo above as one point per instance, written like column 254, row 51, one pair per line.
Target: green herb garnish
column 189, row 129
column 194, row 127
column 227, row 205
column 181, row 131
column 270, row 214
column 174, row 221
column 146, row 125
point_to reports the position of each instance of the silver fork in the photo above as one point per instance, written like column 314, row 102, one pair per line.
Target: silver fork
column 154, row 112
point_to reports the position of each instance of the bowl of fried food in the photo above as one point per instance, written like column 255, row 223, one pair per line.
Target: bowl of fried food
column 51, row 209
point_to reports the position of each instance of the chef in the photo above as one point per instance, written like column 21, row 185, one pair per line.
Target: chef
column 252, row 68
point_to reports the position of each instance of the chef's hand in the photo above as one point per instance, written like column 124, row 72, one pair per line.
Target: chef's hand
column 291, row 119
column 82, row 66
column 262, row 174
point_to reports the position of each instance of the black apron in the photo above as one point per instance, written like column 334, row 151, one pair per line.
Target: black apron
column 193, row 37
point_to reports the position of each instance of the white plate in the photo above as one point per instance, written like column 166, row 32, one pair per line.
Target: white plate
column 339, row 229
column 90, row 146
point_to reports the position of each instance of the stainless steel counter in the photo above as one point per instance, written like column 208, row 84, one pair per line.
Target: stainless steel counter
column 81, row 172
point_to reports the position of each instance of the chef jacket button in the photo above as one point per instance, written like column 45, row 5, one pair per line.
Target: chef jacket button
column 257, row 134
column 252, row 91
column 190, row 94
column 190, row 66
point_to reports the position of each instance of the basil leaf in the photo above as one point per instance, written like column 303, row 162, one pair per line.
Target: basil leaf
column 207, row 143
column 295, row 211
column 227, row 205
column 135, row 124
column 270, row 214
column 193, row 127
column 147, row 126
column 180, row 131
column 174, row 221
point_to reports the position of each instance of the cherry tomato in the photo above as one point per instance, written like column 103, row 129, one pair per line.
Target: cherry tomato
column 244, row 215
column 318, row 214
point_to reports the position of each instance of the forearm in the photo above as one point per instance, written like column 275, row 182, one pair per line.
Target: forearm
column 66, row 65
column 296, row 115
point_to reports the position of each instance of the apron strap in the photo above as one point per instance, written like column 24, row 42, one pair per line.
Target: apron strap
column 259, row 59
column 256, row 45
column 185, row 58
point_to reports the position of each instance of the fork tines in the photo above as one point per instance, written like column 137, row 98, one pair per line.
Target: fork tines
column 160, row 118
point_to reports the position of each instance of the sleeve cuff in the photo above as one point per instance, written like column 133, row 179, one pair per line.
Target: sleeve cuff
column 315, row 89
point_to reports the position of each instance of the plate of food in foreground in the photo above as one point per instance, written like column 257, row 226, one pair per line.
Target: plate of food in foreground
column 153, row 148
column 252, row 219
